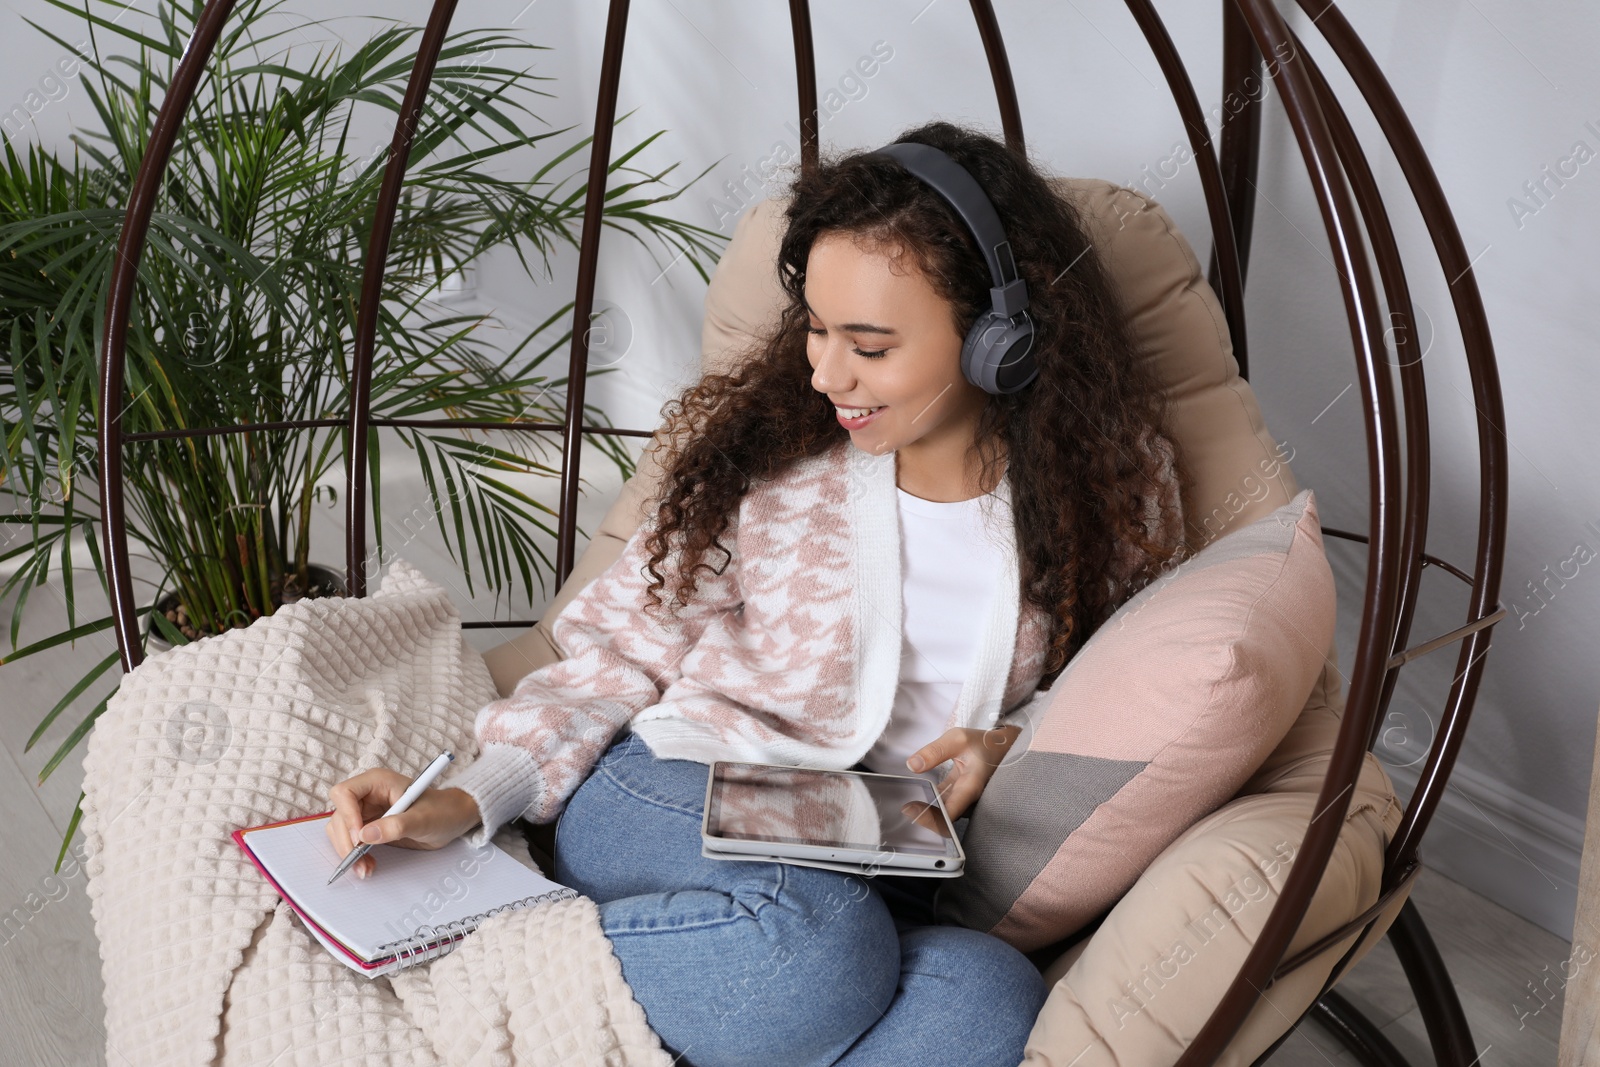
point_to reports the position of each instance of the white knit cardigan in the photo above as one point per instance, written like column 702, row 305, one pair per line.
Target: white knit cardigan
column 790, row 655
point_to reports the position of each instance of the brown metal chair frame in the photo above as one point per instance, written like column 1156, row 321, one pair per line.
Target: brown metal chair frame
column 1350, row 204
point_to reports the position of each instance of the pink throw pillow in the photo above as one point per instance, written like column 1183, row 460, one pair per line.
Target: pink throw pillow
column 1158, row 720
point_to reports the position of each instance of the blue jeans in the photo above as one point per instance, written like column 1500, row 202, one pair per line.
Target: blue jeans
column 740, row 962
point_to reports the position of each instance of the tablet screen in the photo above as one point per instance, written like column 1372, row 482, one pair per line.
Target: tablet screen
column 833, row 809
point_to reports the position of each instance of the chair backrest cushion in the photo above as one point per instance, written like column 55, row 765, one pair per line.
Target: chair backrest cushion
column 1239, row 472
column 1170, row 707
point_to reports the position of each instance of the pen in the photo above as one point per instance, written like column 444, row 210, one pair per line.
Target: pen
column 409, row 797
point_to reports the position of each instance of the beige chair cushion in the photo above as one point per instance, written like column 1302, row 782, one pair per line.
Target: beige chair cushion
column 1240, row 475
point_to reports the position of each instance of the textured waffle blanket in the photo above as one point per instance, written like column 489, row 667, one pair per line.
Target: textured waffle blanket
column 204, row 964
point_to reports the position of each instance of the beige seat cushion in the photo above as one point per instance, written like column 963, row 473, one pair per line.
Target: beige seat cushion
column 1240, row 475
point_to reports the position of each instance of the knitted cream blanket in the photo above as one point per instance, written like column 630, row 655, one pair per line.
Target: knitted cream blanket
column 204, row 964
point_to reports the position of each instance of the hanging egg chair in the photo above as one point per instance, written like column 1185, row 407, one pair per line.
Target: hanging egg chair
column 1237, row 1024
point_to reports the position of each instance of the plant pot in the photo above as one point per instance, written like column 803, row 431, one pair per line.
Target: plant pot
column 324, row 581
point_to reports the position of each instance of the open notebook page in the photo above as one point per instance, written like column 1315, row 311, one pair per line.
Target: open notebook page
column 342, row 954
column 410, row 890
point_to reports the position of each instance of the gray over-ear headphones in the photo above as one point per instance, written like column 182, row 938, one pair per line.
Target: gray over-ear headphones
column 997, row 355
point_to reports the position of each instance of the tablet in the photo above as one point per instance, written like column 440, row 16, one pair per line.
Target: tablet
column 858, row 821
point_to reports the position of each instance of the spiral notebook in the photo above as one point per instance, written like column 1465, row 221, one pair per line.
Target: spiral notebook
column 417, row 905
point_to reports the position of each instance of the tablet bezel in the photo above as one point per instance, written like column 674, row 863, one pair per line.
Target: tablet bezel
column 951, row 863
column 866, row 870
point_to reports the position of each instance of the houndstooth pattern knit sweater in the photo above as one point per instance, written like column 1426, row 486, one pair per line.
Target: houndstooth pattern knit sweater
column 791, row 655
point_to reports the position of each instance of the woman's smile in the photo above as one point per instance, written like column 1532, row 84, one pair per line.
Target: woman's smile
column 857, row 418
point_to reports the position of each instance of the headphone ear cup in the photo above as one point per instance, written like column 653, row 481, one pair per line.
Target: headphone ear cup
column 979, row 357
column 997, row 355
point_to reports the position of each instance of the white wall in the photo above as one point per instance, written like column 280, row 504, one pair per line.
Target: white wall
column 1496, row 93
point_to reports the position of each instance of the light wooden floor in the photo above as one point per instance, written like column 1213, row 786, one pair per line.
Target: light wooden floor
column 50, row 983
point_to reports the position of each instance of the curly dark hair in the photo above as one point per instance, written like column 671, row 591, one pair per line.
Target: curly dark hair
column 1075, row 441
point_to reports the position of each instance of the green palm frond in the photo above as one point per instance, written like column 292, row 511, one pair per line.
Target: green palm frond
column 247, row 298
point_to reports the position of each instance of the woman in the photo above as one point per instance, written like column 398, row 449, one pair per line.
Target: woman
column 846, row 478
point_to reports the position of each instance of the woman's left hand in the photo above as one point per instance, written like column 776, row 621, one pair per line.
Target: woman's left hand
column 974, row 755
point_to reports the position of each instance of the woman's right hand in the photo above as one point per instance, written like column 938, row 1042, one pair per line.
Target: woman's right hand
column 436, row 818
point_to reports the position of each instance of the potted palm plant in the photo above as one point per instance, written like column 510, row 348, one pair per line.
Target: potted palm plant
column 247, row 301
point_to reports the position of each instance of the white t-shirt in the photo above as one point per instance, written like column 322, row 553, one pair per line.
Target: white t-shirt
column 950, row 564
